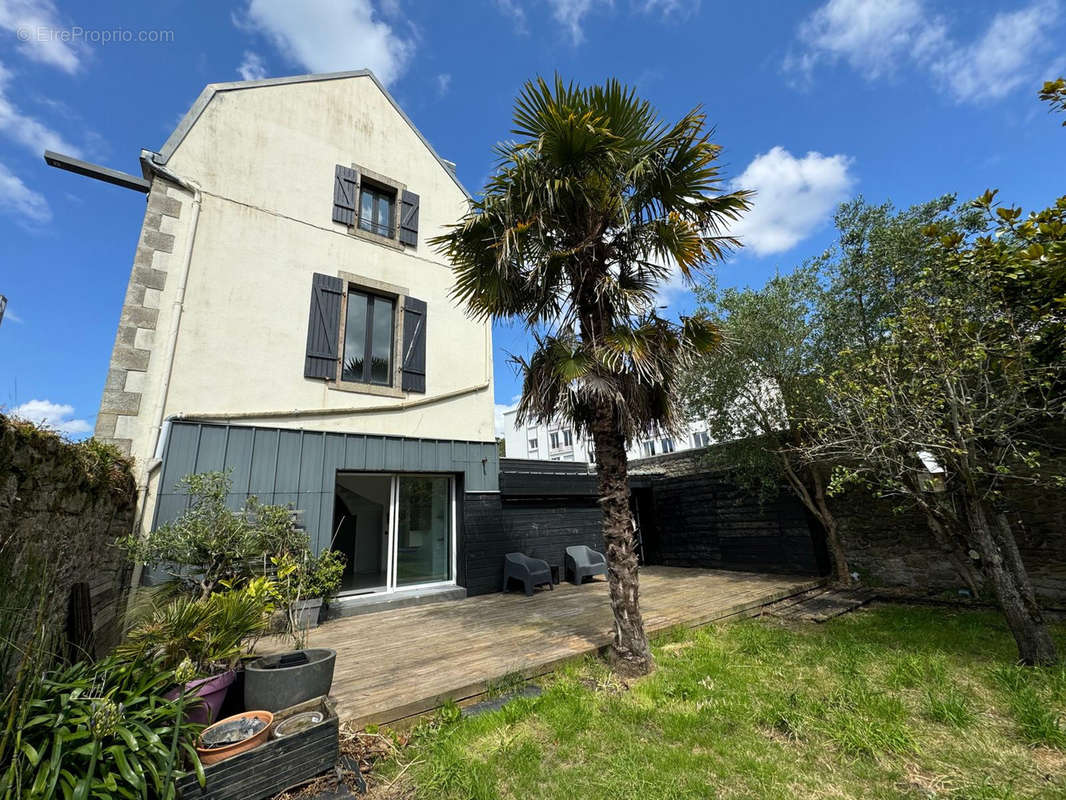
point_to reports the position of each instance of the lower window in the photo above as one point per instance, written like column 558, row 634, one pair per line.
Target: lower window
column 368, row 337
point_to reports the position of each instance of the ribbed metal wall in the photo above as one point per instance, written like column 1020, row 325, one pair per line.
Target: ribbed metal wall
column 281, row 465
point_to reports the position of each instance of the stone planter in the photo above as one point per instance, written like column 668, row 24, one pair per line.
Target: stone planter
column 306, row 613
column 271, row 685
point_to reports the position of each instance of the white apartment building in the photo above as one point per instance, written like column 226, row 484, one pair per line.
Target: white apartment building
column 557, row 441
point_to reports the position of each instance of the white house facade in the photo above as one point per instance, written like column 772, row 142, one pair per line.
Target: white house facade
column 286, row 320
column 557, row 441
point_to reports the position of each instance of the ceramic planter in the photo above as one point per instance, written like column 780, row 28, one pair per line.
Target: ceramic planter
column 204, row 696
column 212, row 755
column 272, row 685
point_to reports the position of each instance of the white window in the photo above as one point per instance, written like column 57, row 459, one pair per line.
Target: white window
column 533, row 445
column 701, row 439
column 668, row 445
column 568, row 438
column 554, row 439
column 649, row 447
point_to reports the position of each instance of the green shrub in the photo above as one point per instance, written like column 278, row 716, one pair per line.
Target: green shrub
column 207, row 634
column 210, row 545
column 101, row 730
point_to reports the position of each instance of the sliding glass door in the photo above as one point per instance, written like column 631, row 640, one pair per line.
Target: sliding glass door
column 396, row 531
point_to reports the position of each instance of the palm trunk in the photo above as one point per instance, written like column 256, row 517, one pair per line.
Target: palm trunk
column 630, row 654
column 1003, row 566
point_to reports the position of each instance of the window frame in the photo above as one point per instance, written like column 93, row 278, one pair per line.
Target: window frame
column 388, row 291
column 533, row 444
column 382, row 184
column 376, row 191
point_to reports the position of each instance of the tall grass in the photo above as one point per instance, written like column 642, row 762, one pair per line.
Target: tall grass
column 891, row 702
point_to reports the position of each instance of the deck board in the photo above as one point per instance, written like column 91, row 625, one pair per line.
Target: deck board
column 395, row 664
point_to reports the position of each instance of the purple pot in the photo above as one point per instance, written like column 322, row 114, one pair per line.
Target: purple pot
column 204, row 697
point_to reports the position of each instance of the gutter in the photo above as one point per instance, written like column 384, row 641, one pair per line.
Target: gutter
column 332, row 412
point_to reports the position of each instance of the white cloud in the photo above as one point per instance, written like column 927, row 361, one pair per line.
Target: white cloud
column 869, row 34
column 252, row 67
column 681, row 8
column 514, row 10
column 56, row 416
column 1000, row 61
column 499, row 409
column 570, row 13
column 35, row 25
column 444, row 83
column 331, row 35
column 793, row 197
column 21, row 202
column 877, row 37
column 28, row 131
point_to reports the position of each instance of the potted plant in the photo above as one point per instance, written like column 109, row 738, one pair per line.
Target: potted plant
column 212, row 547
column 304, row 585
column 203, row 639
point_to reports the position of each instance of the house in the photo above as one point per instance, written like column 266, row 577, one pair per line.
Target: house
column 557, row 441
column 287, row 320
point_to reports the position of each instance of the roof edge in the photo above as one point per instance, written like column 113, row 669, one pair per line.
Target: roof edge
column 209, row 92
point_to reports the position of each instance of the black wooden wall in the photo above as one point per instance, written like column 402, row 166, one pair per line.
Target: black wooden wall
column 542, row 527
column 689, row 516
column 701, row 520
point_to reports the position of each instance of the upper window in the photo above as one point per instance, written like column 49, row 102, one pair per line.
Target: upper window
column 554, row 437
column 649, row 447
column 701, row 439
column 568, row 438
column 376, row 210
column 368, row 338
column 533, row 444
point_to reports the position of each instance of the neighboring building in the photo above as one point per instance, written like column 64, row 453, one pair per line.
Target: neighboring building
column 287, row 320
column 557, row 441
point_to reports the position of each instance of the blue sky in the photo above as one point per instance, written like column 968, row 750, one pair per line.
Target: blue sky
column 812, row 102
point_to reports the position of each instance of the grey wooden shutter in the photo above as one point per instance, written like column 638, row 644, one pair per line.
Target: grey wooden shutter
column 409, row 219
column 345, row 194
column 413, row 367
column 324, row 327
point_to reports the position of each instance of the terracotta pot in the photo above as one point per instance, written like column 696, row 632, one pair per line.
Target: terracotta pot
column 212, row 755
column 210, row 692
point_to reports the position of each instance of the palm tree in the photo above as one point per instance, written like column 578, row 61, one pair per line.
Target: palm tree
column 588, row 213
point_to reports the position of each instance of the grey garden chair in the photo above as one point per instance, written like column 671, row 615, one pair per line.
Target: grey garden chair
column 530, row 571
column 583, row 562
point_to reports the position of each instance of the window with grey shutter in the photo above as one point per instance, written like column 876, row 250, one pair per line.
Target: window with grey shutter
column 414, row 346
column 409, row 218
column 345, row 194
column 323, row 327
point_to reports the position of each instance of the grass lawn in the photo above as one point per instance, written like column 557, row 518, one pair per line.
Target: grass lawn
column 886, row 702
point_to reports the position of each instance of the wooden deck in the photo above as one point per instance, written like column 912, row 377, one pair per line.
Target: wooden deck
column 397, row 664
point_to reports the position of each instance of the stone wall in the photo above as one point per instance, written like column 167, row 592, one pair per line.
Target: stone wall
column 891, row 546
column 66, row 503
column 135, row 338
